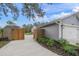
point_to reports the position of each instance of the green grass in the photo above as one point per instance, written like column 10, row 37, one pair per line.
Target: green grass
column 2, row 43
column 28, row 33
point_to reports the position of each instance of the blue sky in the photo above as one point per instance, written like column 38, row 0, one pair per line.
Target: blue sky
column 53, row 11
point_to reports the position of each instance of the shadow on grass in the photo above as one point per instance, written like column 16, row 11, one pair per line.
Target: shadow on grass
column 3, row 43
column 29, row 33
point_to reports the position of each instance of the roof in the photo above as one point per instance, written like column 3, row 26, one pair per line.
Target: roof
column 8, row 26
column 59, row 19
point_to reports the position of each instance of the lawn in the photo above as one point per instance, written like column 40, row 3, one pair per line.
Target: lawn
column 2, row 43
column 29, row 33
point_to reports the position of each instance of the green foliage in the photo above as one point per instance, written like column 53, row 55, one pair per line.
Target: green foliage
column 70, row 49
column 47, row 41
column 29, row 33
column 63, row 42
column 1, row 31
column 29, row 10
column 50, row 42
column 43, row 40
column 2, row 43
column 10, row 22
column 27, row 28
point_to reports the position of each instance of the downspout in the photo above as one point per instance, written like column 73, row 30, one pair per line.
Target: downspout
column 61, row 30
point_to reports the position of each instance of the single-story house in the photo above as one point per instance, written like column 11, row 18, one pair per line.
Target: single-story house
column 66, row 28
column 13, row 32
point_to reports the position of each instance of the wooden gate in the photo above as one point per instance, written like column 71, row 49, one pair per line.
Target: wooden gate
column 21, row 34
column 17, row 34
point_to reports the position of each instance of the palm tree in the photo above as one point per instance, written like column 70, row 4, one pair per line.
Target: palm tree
column 30, row 10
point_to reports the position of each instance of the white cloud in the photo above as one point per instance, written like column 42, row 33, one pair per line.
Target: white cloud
column 61, row 15
column 76, row 9
column 52, row 17
column 44, row 19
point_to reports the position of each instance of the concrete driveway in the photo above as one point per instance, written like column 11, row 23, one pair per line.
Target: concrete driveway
column 27, row 47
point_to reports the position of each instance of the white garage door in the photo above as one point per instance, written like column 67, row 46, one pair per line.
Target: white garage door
column 70, row 33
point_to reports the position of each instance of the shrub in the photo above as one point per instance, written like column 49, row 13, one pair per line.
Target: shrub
column 50, row 43
column 70, row 49
column 63, row 42
column 43, row 40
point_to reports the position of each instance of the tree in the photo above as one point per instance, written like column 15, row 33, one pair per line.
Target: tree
column 27, row 28
column 30, row 10
column 1, row 32
column 40, row 23
column 10, row 23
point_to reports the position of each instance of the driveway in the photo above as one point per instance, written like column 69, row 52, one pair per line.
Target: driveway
column 27, row 47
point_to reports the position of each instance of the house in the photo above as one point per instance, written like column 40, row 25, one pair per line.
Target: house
column 66, row 28
column 13, row 32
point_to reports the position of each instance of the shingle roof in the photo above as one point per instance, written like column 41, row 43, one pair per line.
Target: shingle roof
column 8, row 26
column 59, row 19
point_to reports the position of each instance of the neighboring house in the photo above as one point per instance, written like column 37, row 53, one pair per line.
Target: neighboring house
column 66, row 28
column 13, row 32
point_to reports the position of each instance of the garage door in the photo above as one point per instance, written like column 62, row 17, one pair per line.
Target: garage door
column 70, row 33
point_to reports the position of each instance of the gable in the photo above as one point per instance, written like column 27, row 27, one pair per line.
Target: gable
column 71, row 20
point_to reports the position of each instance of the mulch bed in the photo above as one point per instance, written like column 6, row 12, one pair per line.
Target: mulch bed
column 56, row 49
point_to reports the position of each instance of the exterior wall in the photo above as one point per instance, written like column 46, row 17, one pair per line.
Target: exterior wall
column 17, row 34
column 52, row 31
column 71, row 34
column 7, row 33
column 78, row 34
column 14, row 33
column 71, row 20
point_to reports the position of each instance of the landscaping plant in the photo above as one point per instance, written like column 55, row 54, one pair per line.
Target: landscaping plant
column 43, row 40
column 62, row 43
column 71, row 49
column 47, row 41
column 50, row 43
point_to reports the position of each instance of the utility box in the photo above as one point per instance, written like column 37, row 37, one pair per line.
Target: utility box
column 13, row 33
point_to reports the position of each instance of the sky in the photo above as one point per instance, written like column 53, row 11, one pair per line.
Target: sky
column 56, row 10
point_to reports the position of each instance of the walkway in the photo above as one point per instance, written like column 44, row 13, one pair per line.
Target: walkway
column 27, row 47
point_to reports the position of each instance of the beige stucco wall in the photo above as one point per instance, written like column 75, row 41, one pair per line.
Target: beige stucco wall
column 52, row 31
column 71, row 20
column 71, row 34
column 7, row 32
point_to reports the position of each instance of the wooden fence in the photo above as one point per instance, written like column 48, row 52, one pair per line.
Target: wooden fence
column 38, row 33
